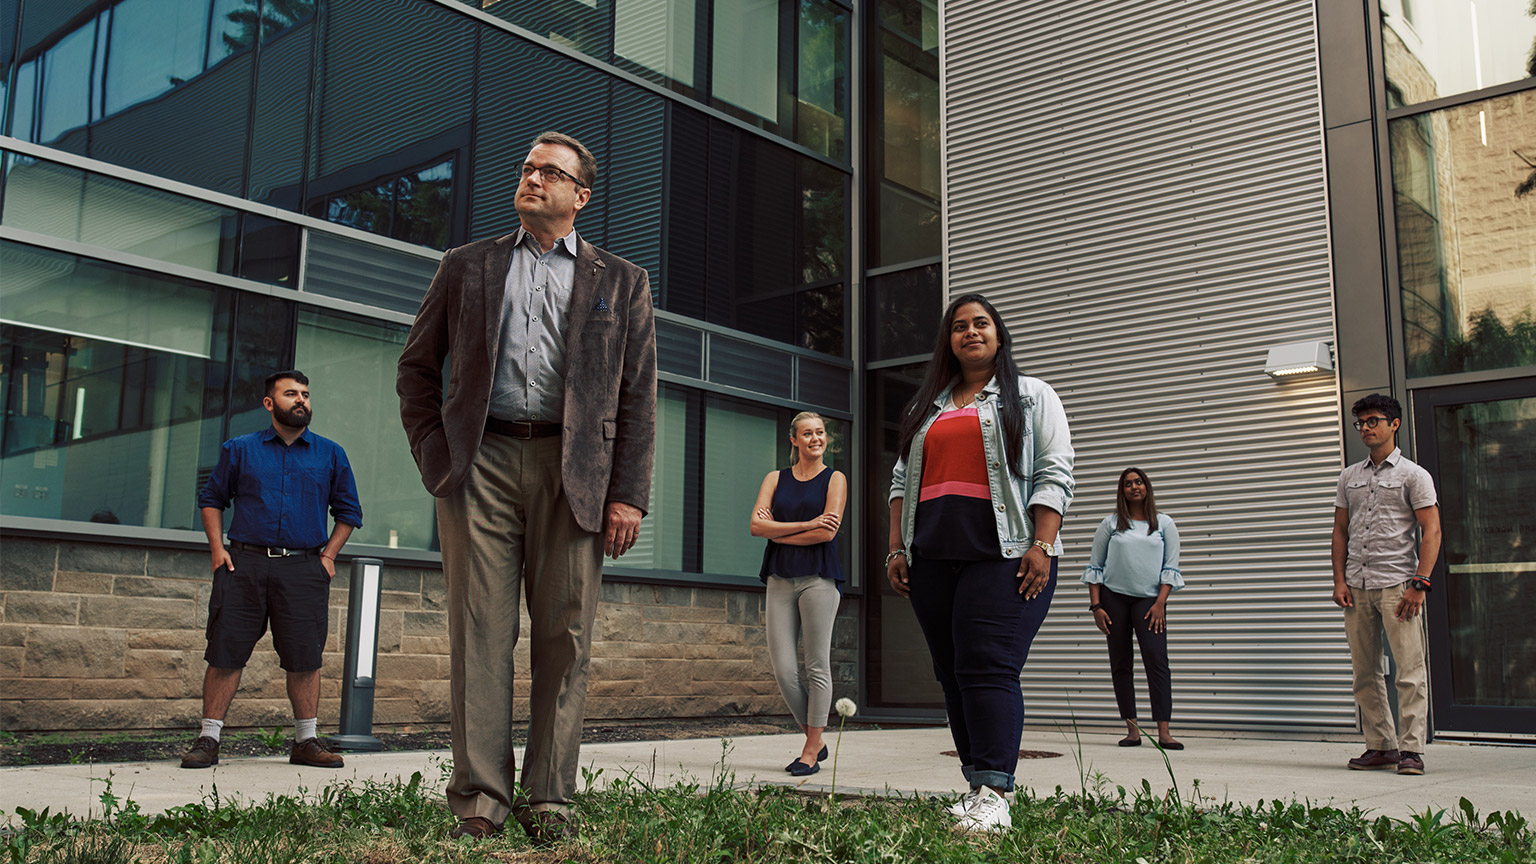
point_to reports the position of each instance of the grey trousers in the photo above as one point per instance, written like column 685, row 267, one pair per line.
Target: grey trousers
column 509, row 529
column 803, row 610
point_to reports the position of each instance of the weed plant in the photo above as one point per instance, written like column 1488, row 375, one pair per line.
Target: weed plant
column 631, row 820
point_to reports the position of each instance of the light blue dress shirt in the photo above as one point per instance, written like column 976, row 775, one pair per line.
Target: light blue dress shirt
column 529, row 383
column 1133, row 562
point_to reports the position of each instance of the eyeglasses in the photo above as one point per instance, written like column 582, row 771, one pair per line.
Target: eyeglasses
column 551, row 174
column 1370, row 422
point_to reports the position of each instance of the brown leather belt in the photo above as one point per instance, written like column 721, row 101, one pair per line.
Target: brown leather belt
column 271, row 551
column 521, row 428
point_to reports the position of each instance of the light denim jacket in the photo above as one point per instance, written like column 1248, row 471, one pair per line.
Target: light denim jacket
column 1046, row 463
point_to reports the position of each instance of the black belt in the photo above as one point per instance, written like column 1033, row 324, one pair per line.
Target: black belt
column 271, row 551
column 521, row 428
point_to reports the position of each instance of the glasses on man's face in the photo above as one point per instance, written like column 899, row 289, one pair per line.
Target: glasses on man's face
column 550, row 174
column 1370, row 422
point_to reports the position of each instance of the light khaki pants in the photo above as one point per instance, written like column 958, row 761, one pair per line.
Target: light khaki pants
column 1375, row 611
column 509, row 528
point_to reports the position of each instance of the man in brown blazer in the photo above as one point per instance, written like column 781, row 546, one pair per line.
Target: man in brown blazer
column 539, row 453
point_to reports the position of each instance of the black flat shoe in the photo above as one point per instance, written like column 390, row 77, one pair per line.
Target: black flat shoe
column 800, row 769
column 820, row 757
column 1131, row 742
column 1171, row 745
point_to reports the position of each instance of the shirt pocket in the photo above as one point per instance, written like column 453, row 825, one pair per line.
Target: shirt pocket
column 1391, row 492
column 1357, row 493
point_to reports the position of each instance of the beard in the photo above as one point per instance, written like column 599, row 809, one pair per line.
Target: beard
column 291, row 418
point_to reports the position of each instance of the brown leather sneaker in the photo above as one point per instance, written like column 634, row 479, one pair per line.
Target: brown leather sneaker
column 312, row 753
column 204, row 753
column 475, row 828
column 547, row 827
column 1372, row 759
column 1411, row 763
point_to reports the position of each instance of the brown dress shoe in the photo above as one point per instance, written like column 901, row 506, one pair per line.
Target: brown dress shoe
column 475, row 828
column 1410, row 763
column 204, row 753
column 546, row 827
column 312, row 753
column 1373, row 759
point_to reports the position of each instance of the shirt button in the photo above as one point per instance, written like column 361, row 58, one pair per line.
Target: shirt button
column 531, row 350
column 535, row 318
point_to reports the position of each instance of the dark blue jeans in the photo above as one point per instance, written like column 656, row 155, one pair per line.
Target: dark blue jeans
column 979, row 628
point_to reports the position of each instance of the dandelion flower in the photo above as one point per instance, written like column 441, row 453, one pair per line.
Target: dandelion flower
column 846, row 707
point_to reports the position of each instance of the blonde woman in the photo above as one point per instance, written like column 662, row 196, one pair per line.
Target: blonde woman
column 799, row 510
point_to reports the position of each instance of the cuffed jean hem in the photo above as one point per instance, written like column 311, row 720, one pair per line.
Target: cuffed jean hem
column 967, row 771
column 996, row 779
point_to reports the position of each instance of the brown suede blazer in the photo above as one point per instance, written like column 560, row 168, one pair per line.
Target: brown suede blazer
column 610, row 375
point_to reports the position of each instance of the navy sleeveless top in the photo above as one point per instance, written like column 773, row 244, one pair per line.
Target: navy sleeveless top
column 801, row 501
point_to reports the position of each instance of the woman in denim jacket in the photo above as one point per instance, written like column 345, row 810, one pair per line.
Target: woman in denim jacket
column 977, row 495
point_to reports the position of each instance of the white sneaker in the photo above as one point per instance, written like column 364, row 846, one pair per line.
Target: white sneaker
column 988, row 811
column 958, row 808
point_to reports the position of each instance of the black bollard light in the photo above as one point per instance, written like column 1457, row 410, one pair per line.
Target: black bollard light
column 362, row 656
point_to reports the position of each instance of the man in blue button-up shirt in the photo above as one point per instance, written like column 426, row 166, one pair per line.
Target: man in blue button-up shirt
column 279, row 562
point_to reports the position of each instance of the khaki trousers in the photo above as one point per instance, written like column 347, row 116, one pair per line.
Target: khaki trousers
column 509, row 528
column 1375, row 611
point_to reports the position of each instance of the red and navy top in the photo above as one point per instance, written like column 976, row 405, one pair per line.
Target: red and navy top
column 954, row 519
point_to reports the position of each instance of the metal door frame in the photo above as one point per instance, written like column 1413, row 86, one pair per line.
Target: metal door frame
column 1451, row 719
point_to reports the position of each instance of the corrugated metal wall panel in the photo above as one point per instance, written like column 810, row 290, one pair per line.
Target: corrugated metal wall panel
column 1140, row 190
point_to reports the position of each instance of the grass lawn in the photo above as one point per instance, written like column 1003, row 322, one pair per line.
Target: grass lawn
column 629, row 820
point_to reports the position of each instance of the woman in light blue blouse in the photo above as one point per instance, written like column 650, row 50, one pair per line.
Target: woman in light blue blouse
column 1133, row 568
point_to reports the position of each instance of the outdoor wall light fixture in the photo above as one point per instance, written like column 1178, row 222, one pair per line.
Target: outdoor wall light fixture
column 362, row 654
column 1299, row 359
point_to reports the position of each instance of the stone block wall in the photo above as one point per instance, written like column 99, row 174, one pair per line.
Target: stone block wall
column 111, row 636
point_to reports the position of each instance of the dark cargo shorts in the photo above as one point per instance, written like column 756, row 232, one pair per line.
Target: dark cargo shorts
column 293, row 593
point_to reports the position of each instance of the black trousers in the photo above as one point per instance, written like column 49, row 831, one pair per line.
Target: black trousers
column 1127, row 615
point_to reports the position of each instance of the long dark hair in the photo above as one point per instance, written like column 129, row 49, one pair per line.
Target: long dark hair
column 1123, row 510
column 944, row 367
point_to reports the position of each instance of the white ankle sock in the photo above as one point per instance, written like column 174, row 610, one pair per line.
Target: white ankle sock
column 303, row 730
column 212, row 728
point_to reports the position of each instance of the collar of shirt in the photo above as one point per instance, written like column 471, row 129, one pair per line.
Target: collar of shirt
column 568, row 242
column 991, row 387
column 269, row 433
column 1392, row 459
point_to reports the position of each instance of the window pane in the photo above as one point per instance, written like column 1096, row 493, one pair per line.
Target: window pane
column 64, row 202
column 906, row 201
column 823, row 215
column 1465, row 202
column 424, row 206
column 578, row 24
column 107, row 375
column 1486, row 475
column 656, row 35
column 351, row 369
column 26, row 96
column 233, row 29
column 156, row 45
column 904, row 311
column 741, row 444
column 279, row 15
column 383, row 114
column 746, row 56
column 900, row 670
column 1435, row 48
column 66, row 96
column 822, row 105
column 664, row 532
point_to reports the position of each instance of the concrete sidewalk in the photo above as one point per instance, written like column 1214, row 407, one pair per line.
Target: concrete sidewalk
column 904, row 761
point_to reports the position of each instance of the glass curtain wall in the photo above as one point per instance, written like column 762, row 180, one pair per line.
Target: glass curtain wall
column 1464, row 191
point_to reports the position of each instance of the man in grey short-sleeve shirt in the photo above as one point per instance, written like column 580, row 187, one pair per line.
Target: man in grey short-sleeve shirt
column 1380, row 578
